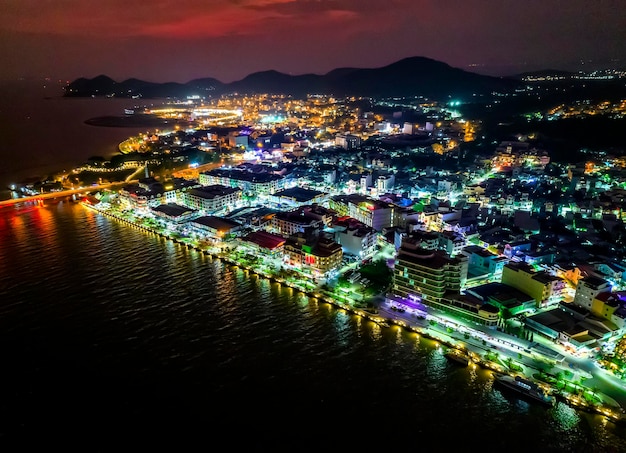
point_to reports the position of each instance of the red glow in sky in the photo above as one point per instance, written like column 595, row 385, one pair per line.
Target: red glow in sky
column 179, row 40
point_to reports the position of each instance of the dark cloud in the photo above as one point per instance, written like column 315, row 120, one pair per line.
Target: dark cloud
column 183, row 39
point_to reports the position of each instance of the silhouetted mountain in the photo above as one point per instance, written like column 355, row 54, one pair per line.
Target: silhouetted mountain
column 98, row 86
column 413, row 76
column 204, row 85
column 276, row 82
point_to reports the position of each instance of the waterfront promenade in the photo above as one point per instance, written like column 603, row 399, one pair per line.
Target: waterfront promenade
column 488, row 348
column 533, row 360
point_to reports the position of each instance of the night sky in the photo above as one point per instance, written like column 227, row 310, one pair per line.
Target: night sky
column 180, row 40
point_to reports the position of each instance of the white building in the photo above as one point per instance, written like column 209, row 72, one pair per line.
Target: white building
column 587, row 290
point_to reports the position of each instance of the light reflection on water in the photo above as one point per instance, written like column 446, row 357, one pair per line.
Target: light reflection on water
column 142, row 316
column 437, row 365
column 376, row 330
column 566, row 417
column 399, row 333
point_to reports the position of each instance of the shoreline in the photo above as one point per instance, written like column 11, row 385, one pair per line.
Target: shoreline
column 612, row 411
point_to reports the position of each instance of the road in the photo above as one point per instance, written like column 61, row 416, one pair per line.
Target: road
column 193, row 173
column 515, row 348
column 63, row 193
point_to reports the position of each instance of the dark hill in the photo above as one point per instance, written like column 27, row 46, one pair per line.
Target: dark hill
column 98, row 86
column 207, row 85
column 413, row 76
column 276, row 82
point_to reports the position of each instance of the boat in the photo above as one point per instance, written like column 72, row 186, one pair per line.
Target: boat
column 458, row 356
column 525, row 388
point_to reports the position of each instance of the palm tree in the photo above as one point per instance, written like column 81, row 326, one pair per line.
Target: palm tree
column 508, row 361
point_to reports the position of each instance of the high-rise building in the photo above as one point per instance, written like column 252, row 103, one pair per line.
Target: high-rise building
column 428, row 274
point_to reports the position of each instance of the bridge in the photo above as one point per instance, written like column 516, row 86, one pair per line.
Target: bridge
column 39, row 198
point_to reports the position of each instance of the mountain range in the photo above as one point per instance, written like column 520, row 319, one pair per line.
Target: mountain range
column 414, row 76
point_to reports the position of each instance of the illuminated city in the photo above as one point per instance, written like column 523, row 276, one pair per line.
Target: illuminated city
column 288, row 225
column 318, row 194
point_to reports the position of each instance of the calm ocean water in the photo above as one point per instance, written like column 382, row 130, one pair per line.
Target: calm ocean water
column 113, row 339
column 42, row 132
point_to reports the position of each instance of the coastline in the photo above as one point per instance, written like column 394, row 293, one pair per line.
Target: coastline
column 610, row 408
column 45, row 133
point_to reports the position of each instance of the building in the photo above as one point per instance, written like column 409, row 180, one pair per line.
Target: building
column 149, row 192
column 173, row 212
column 313, row 254
column 355, row 238
column 174, row 189
column 373, row 213
column 511, row 155
column 483, row 263
column 132, row 196
column 265, row 244
column 247, row 181
column 213, row 227
column 573, row 327
column 348, row 141
column 468, row 307
column 614, row 272
column 612, row 307
column 428, row 274
column 508, row 300
column 365, row 182
column 546, row 289
column 427, row 240
column 587, row 290
column 385, row 183
column 410, row 128
column 240, row 140
column 458, row 305
column 253, row 216
column 299, row 220
column 451, row 242
column 212, row 198
column 298, row 196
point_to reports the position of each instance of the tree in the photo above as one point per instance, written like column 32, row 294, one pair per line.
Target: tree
column 96, row 160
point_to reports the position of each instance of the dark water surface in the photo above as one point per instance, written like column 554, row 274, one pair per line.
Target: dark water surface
column 41, row 132
column 115, row 339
